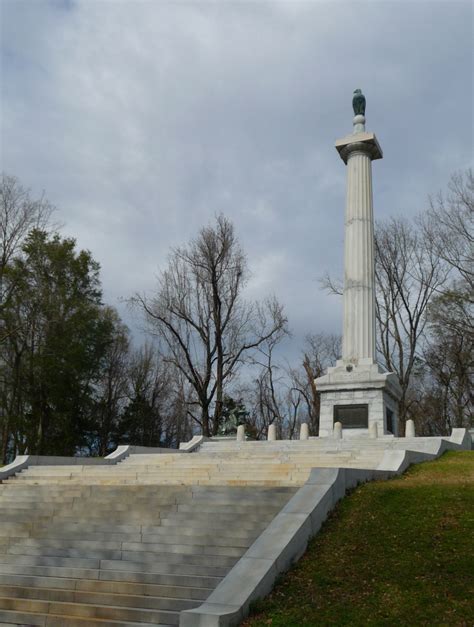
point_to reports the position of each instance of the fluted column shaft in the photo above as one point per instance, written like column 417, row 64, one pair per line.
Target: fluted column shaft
column 359, row 272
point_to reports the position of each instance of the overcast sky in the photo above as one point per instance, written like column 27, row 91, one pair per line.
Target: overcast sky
column 143, row 119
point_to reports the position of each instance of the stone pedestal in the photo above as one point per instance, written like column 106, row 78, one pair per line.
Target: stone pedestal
column 356, row 392
column 358, row 398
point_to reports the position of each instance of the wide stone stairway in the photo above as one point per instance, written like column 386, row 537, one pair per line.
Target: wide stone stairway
column 137, row 542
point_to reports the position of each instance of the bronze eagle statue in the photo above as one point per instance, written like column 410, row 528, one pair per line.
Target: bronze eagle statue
column 358, row 102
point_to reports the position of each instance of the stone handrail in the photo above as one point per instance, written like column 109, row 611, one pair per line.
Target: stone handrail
column 193, row 444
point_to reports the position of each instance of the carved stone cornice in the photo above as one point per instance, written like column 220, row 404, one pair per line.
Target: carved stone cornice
column 365, row 148
column 365, row 143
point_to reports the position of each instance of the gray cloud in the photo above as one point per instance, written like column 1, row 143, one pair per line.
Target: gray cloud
column 141, row 120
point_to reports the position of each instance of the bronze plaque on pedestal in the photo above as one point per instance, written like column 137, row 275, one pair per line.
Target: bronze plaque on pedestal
column 352, row 416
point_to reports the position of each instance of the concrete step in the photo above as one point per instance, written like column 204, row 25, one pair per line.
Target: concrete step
column 110, row 536
column 134, row 524
column 167, row 579
column 144, row 557
column 96, row 525
column 163, row 567
column 137, row 556
column 114, row 504
column 17, row 533
column 97, row 598
column 99, row 517
column 198, row 539
column 85, row 490
column 204, row 550
column 152, row 566
column 118, row 482
column 186, row 529
column 80, row 610
column 217, row 508
column 68, row 510
column 212, row 481
column 255, row 482
column 122, row 477
column 20, row 549
column 26, row 501
column 217, row 523
column 38, row 560
column 244, row 468
column 10, row 618
column 197, row 490
column 112, row 513
column 66, row 493
column 112, row 587
column 13, row 526
column 87, row 545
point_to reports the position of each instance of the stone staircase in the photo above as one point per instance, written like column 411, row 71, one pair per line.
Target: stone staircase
column 136, row 543
column 82, row 545
column 254, row 463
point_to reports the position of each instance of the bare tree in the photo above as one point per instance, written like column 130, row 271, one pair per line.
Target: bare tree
column 155, row 414
column 448, row 226
column 287, row 396
column 448, row 358
column 408, row 274
column 320, row 351
column 266, row 397
column 202, row 320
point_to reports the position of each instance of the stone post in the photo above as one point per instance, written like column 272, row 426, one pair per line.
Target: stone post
column 304, row 431
column 338, row 431
column 272, row 434
column 373, row 430
column 241, row 433
column 410, row 429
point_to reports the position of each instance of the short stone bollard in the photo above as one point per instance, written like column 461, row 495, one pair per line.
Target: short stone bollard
column 374, row 430
column 410, row 429
column 338, row 430
column 241, row 433
column 272, row 432
column 304, row 431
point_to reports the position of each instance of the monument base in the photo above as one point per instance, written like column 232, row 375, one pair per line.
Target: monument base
column 358, row 396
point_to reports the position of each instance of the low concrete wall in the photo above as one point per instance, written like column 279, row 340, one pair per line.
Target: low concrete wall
column 121, row 452
column 19, row 463
column 193, row 445
column 285, row 539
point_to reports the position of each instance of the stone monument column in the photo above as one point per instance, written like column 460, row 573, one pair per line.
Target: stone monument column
column 359, row 276
column 356, row 392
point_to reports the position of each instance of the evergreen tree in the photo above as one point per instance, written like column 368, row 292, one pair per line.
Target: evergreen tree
column 56, row 338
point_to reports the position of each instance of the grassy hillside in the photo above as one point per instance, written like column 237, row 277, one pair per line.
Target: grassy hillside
column 399, row 552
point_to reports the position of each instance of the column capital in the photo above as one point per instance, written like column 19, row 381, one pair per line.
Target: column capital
column 359, row 142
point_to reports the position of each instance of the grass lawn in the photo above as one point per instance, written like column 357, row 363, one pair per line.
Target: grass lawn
column 398, row 552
